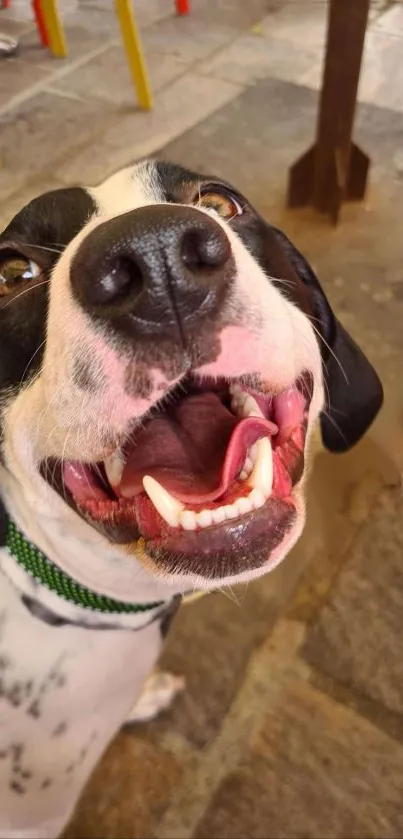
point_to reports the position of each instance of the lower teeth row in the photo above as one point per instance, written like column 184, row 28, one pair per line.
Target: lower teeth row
column 259, row 480
column 190, row 520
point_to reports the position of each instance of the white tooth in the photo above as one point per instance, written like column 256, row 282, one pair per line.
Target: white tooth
column 244, row 474
column 168, row 507
column 204, row 518
column 262, row 475
column 257, row 498
column 114, row 467
column 244, row 505
column 251, row 408
column 231, row 511
column 218, row 515
column 188, row 520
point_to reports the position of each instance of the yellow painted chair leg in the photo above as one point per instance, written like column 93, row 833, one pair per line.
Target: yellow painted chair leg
column 54, row 28
column 134, row 52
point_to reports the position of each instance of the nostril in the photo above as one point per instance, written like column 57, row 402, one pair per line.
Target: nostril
column 119, row 279
column 204, row 249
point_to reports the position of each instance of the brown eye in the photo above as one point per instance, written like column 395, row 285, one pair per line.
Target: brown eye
column 16, row 271
column 226, row 205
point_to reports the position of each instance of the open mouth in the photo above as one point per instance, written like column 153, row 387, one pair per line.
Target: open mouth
column 207, row 475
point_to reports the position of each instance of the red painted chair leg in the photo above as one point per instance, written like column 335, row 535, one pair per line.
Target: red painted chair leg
column 5, row 4
column 182, row 7
column 40, row 22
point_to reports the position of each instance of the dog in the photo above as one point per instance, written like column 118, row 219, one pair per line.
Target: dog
column 165, row 357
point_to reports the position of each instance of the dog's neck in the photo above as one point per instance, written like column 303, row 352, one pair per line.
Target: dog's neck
column 81, row 552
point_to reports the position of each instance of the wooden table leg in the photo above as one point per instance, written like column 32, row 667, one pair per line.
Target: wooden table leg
column 335, row 169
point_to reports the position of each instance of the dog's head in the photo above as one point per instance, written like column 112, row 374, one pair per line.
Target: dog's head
column 164, row 356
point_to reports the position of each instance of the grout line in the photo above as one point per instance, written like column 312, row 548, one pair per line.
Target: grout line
column 64, row 94
column 224, row 754
column 38, row 87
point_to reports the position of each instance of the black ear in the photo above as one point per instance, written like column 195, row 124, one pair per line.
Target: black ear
column 354, row 391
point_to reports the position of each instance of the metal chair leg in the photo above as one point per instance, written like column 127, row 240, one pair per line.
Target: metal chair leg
column 131, row 40
column 54, row 27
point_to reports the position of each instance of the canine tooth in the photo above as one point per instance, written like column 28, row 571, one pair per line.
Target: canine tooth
column 204, row 518
column 114, row 467
column 243, row 475
column 166, row 505
column 261, row 476
column 187, row 520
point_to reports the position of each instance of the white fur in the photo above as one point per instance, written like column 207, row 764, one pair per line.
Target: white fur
column 53, row 417
column 104, row 670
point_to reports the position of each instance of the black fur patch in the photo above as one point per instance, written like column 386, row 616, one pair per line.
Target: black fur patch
column 39, row 232
column 42, row 613
column 85, row 374
column 168, row 616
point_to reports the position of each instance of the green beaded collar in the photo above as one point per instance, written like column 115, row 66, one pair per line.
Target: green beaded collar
column 43, row 571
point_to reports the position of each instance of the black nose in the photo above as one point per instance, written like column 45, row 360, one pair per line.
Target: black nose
column 163, row 264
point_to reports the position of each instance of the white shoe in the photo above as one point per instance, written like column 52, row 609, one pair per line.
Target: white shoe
column 8, row 45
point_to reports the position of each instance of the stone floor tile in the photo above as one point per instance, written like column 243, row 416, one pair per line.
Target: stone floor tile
column 391, row 20
column 355, row 637
column 336, row 509
column 241, row 15
column 94, row 20
column 211, row 644
column 316, row 769
column 252, row 57
column 381, row 64
column 133, row 771
column 188, row 38
column 382, row 73
column 44, row 129
column 107, row 76
column 16, row 76
column 134, row 135
column 302, row 23
column 12, row 26
column 82, row 38
column 146, row 11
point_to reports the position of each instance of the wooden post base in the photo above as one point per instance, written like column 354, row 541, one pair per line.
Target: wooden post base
column 335, row 169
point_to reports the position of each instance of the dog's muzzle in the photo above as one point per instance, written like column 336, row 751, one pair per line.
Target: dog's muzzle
column 158, row 267
column 209, row 471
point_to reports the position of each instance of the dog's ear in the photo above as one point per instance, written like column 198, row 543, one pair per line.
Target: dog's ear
column 354, row 393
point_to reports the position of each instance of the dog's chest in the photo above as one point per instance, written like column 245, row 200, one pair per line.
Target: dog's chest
column 64, row 692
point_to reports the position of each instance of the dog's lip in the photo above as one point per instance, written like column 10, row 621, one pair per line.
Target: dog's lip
column 227, row 550
column 258, row 532
column 220, row 551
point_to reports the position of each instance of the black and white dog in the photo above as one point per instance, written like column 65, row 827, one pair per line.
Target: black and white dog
column 165, row 355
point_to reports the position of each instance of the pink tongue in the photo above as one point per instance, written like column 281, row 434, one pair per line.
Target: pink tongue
column 195, row 451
